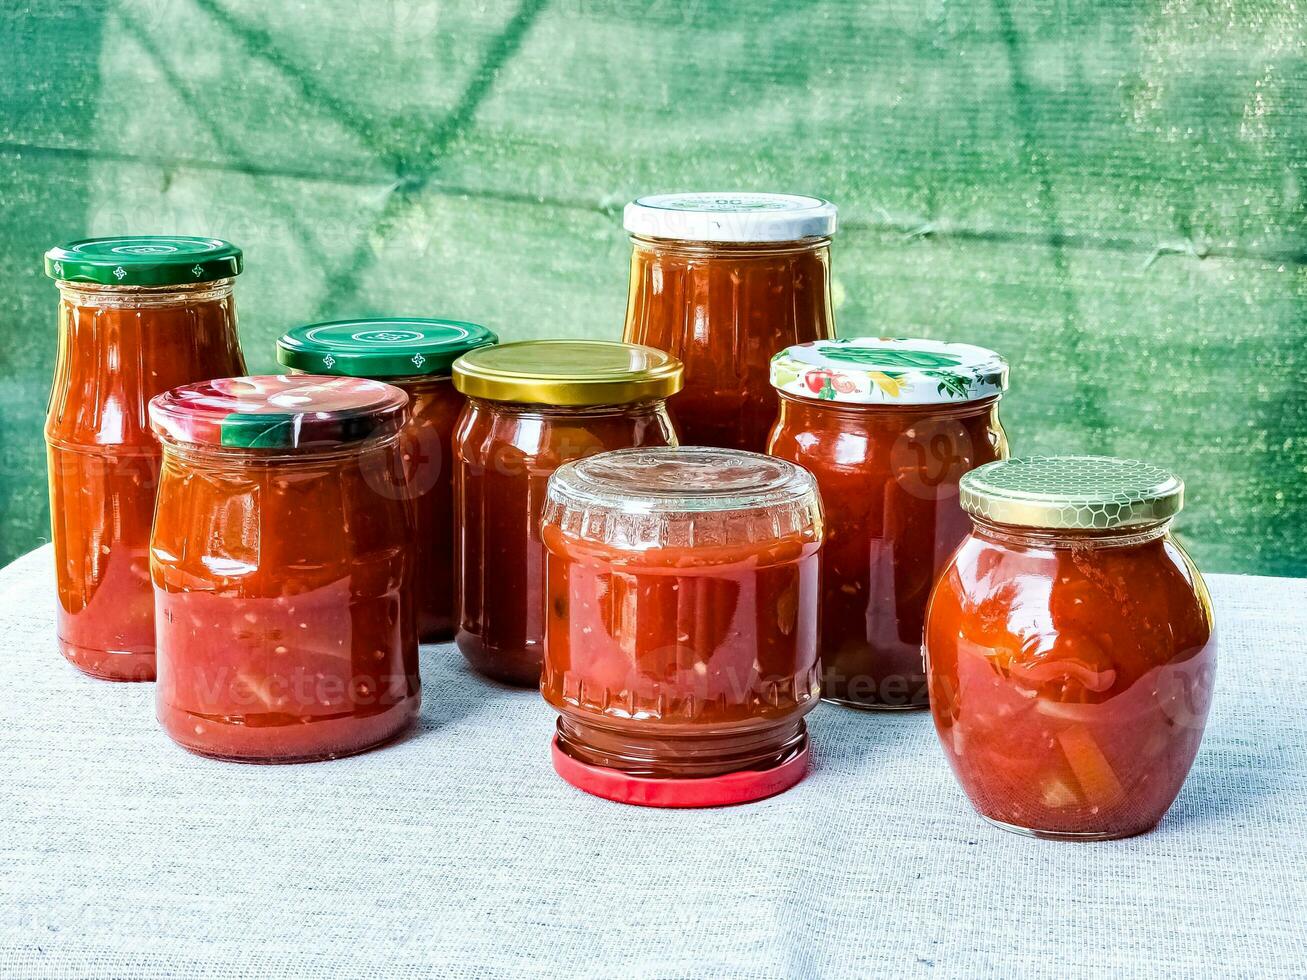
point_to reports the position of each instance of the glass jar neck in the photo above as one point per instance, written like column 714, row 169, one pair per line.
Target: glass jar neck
column 797, row 404
column 1036, row 537
column 648, row 406
column 203, row 455
column 738, row 250
column 139, row 297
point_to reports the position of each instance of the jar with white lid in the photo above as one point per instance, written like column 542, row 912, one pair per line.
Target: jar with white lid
column 723, row 281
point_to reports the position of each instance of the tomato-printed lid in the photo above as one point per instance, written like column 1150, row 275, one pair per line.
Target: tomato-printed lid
column 889, row 371
column 289, row 412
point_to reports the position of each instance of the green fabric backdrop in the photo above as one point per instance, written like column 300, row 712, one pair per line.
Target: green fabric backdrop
column 1112, row 194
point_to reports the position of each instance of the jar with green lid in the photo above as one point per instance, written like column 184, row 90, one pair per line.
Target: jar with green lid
column 533, row 406
column 1071, row 647
column 137, row 316
column 415, row 354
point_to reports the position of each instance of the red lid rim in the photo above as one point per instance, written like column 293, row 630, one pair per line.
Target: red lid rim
column 709, row 791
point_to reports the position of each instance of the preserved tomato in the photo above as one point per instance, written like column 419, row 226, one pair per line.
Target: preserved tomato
column 137, row 316
column 887, row 427
column 1071, row 648
column 414, row 354
column 723, row 282
column 534, row 406
column 280, row 559
column 681, row 640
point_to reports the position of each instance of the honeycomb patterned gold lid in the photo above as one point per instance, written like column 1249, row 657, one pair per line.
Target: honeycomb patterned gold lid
column 1088, row 493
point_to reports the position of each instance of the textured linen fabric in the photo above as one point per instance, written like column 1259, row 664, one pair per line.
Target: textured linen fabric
column 459, row 853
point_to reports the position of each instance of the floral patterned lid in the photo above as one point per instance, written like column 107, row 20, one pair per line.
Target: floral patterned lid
column 276, row 411
column 889, row 371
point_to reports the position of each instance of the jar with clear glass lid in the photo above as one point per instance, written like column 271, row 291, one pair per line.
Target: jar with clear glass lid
column 1071, row 647
column 887, row 427
column 681, row 643
column 137, row 316
column 723, row 281
column 414, row 354
column 280, row 560
column 533, row 406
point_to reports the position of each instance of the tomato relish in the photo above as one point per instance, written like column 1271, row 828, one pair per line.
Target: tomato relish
column 280, row 559
column 1071, row 647
column 723, row 281
column 137, row 316
column 532, row 407
column 414, row 354
column 887, row 427
column 681, row 638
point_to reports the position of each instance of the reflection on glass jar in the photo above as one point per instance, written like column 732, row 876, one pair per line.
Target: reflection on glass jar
column 137, row 316
column 415, row 354
column 681, row 648
column 532, row 407
column 724, row 281
column 1071, row 648
column 286, row 632
column 888, row 428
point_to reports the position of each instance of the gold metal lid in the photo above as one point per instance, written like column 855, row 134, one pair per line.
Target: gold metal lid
column 1086, row 493
column 568, row 372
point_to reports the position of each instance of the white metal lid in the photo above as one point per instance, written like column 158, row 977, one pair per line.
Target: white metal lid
column 729, row 216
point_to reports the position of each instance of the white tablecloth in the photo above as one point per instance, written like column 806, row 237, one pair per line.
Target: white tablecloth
column 459, row 853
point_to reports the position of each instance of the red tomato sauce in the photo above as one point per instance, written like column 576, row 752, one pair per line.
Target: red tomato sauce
column 281, row 575
column 681, row 642
column 119, row 347
column 504, row 454
column 725, row 309
column 717, row 642
column 427, row 444
column 1070, row 684
column 888, row 476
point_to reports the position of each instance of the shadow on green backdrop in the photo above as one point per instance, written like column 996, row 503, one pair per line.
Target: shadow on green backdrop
column 1114, row 196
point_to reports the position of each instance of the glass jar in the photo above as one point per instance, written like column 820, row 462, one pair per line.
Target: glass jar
column 280, row 558
column 1071, row 647
column 137, row 316
column 532, row 407
column 681, row 649
column 724, row 281
column 887, row 427
column 414, row 354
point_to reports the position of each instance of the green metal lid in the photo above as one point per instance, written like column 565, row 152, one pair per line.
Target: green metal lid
column 144, row 260
column 1073, row 493
column 384, row 347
